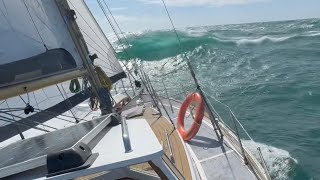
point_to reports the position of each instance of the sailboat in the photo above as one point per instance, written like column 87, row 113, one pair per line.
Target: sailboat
column 70, row 109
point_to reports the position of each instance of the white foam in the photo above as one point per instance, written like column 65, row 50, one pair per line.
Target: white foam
column 112, row 37
column 165, row 66
column 262, row 39
column 312, row 34
column 196, row 32
column 278, row 161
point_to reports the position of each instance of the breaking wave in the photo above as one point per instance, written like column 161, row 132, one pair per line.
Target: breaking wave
column 261, row 40
column 161, row 44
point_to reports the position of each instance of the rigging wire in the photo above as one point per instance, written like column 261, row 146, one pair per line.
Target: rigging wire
column 114, row 64
column 96, row 34
column 102, row 43
column 40, row 19
column 125, row 91
column 110, row 63
column 215, row 99
column 180, row 45
column 102, row 54
column 35, row 99
column 212, row 116
column 17, row 127
column 6, row 110
column 33, row 121
column 119, row 39
column 124, row 37
column 5, row 7
column 11, row 27
column 68, row 101
column 114, row 30
column 55, row 114
column 106, row 53
column 45, row 94
column 45, row 46
column 11, row 109
column 111, row 24
column 23, row 100
column 51, row 112
column 6, row 119
column 77, row 119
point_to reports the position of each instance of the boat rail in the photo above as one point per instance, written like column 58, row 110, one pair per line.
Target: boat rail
column 235, row 135
column 125, row 135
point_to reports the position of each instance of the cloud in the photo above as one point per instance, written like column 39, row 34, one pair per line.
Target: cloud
column 125, row 18
column 212, row 3
column 133, row 23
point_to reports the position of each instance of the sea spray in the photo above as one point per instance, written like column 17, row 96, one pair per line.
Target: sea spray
column 279, row 162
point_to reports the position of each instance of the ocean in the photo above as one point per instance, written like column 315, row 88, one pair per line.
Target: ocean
column 268, row 73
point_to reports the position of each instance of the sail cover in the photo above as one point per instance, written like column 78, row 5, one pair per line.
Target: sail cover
column 35, row 42
column 96, row 40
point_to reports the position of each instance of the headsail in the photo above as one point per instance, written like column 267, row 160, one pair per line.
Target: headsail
column 96, row 40
column 35, row 45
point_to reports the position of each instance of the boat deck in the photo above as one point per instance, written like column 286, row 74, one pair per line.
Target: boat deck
column 213, row 157
column 160, row 126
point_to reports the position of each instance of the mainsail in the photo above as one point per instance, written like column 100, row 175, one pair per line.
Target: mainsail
column 40, row 50
column 37, row 48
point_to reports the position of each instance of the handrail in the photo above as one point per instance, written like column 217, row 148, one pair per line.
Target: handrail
column 125, row 135
column 147, row 86
column 216, row 121
column 152, row 93
column 235, row 118
column 262, row 172
column 165, row 88
column 169, row 145
column 245, row 153
column 172, row 167
column 264, row 163
column 239, row 139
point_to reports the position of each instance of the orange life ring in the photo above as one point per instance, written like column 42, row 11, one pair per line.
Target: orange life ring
column 193, row 97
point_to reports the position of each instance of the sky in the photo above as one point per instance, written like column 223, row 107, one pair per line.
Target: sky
column 140, row 15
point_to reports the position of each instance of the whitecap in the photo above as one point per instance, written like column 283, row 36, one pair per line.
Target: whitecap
column 196, row 32
column 312, row 33
column 261, row 40
column 279, row 162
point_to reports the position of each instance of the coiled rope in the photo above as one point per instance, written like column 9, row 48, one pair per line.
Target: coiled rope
column 105, row 82
column 104, row 79
column 74, row 86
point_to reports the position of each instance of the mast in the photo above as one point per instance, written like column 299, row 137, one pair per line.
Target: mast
column 99, row 90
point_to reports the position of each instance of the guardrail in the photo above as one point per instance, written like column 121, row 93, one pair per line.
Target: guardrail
column 233, row 134
column 219, row 123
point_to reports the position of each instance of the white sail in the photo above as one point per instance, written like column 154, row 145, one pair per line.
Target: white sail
column 19, row 35
column 36, row 48
column 96, row 40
